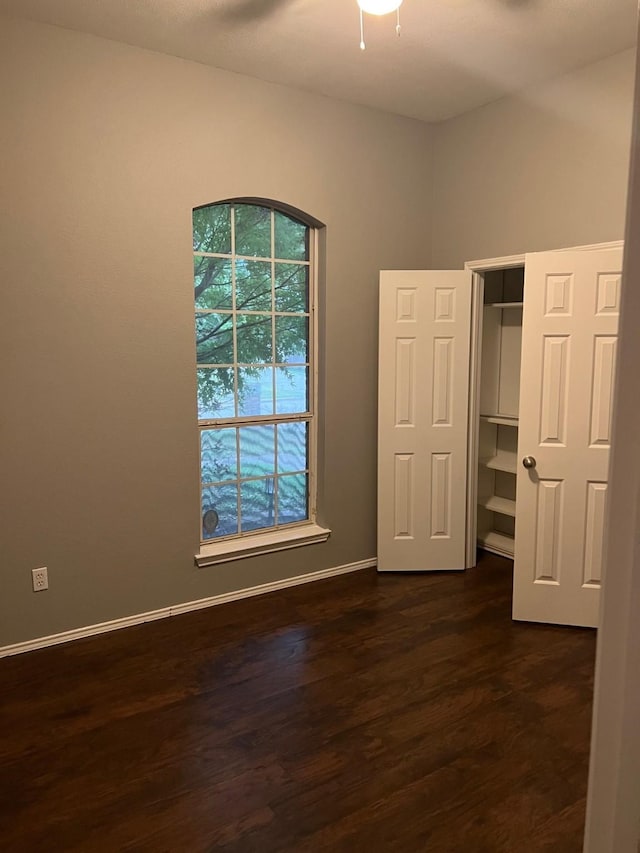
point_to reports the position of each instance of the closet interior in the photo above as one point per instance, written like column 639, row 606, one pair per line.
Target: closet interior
column 499, row 393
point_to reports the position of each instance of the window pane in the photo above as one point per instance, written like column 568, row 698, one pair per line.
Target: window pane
column 255, row 387
column 291, row 390
column 251, row 315
column 214, row 338
column 291, row 287
column 253, row 285
column 292, row 337
column 292, row 447
column 212, row 282
column 215, row 393
column 257, row 451
column 212, row 229
column 254, row 333
column 256, row 499
column 218, row 454
column 219, row 511
column 292, row 498
column 290, row 238
column 253, row 230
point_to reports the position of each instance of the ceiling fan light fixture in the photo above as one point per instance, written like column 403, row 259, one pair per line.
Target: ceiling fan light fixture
column 379, row 7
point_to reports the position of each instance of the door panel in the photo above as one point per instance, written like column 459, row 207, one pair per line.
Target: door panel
column 423, row 419
column 569, row 344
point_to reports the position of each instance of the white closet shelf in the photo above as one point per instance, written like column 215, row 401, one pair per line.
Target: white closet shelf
column 504, row 304
column 506, row 420
column 499, row 542
column 501, row 462
column 496, row 504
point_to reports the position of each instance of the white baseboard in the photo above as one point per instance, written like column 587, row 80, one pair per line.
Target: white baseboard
column 177, row 609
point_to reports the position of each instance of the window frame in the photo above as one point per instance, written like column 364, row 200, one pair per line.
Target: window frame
column 292, row 534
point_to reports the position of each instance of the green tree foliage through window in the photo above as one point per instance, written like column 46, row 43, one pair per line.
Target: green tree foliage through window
column 251, row 290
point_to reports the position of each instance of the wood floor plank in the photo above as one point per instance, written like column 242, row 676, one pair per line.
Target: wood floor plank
column 366, row 712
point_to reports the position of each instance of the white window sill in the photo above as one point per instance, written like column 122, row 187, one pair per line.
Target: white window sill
column 261, row 543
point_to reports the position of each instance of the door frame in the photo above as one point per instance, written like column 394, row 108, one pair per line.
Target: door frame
column 478, row 268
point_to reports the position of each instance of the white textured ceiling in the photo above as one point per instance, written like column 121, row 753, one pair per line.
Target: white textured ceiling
column 453, row 55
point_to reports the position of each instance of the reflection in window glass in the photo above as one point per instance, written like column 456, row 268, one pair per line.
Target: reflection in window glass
column 292, row 447
column 292, row 498
column 257, row 504
column 212, row 278
column 290, row 238
column 212, row 229
column 253, row 230
column 257, row 451
column 219, row 511
column 218, row 453
column 255, row 396
column 254, row 333
column 291, row 288
column 216, row 395
column 291, row 390
column 292, row 338
column 214, row 338
column 253, row 285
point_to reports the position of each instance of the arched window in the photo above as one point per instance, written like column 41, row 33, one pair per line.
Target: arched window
column 254, row 279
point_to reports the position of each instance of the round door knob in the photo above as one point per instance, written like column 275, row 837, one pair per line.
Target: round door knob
column 529, row 462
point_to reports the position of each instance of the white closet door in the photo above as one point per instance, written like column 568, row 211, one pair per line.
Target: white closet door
column 423, row 405
column 569, row 339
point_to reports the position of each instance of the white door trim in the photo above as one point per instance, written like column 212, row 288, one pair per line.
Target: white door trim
column 475, row 349
column 612, row 244
column 518, row 260
column 495, row 263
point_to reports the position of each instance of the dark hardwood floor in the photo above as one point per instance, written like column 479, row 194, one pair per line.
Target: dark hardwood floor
column 362, row 713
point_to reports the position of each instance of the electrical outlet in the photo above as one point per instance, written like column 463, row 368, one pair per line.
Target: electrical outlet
column 40, row 579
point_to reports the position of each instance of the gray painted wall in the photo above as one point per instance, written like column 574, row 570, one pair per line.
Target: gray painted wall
column 546, row 169
column 106, row 149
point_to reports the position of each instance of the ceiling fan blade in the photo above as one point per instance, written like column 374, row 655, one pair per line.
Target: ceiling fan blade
column 518, row 4
column 246, row 11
